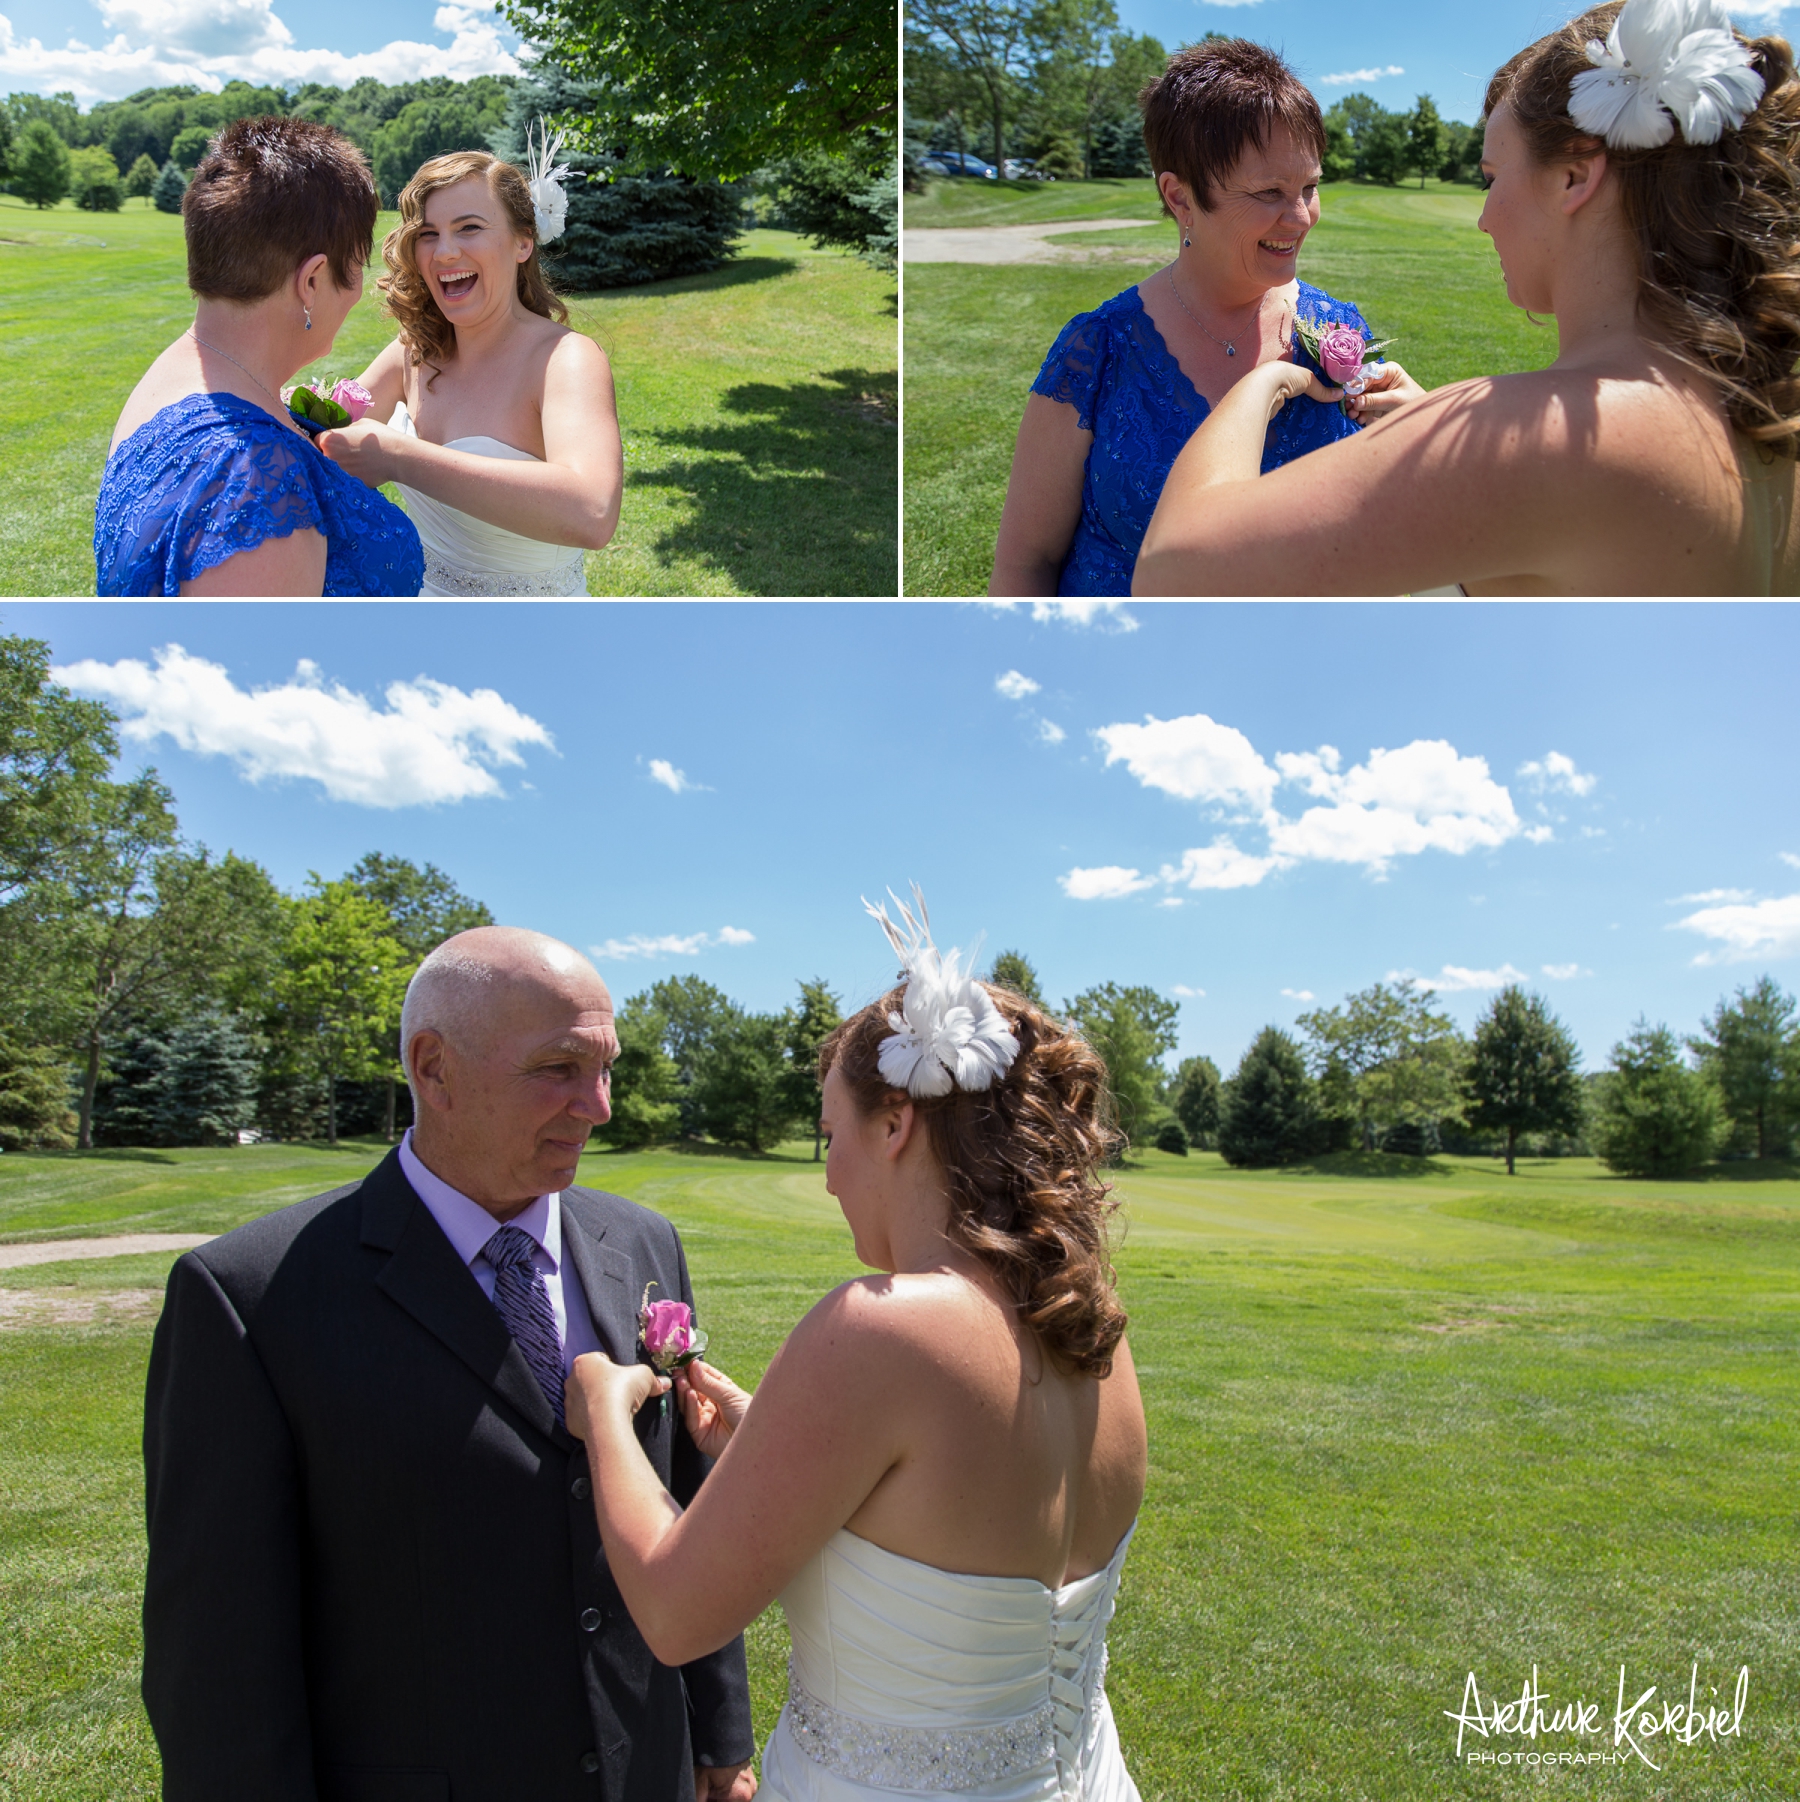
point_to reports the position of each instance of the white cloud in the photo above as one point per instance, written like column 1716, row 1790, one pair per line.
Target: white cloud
column 1050, row 732
column 669, row 944
column 1455, row 978
column 432, row 743
column 674, row 780
column 1539, row 835
column 205, row 43
column 1109, row 616
column 1565, row 972
column 1708, row 896
column 1015, row 685
column 1789, row 858
column 1558, row 772
column 1748, row 930
column 1187, row 994
column 1349, row 77
column 1193, row 758
column 1107, row 883
column 1300, row 994
column 1424, row 796
column 1220, row 865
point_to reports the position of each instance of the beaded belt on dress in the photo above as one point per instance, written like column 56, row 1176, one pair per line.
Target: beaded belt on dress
column 916, row 1758
column 439, row 574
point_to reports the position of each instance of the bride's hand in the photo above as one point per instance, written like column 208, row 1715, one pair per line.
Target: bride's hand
column 712, row 1405
column 364, row 450
column 596, row 1383
column 1389, row 389
column 1285, row 381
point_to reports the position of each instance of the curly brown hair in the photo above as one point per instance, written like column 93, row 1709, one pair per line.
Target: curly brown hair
column 429, row 337
column 1717, row 226
column 1021, row 1164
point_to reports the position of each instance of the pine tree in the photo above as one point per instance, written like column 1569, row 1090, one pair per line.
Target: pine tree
column 1196, row 1100
column 1523, row 1071
column 1751, row 1049
column 38, row 165
column 1656, row 1116
column 207, row 1093
column 140, row 178
column 126, row 1099
column 34, row 1099
column 1266, row 1114
column 171, row 184
column 1013, row 970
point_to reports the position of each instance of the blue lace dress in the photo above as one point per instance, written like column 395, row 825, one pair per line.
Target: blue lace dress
column 1112, row 366
column 212, row 475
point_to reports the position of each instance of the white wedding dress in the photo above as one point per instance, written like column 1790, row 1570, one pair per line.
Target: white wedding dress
column 464, row 555
column 909, row 1681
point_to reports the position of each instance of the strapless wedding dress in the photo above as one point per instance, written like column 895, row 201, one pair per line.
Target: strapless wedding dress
column 909, row 1681
column 465, row 555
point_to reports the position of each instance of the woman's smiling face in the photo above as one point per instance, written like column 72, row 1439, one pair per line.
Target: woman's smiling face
column 1261, row 213
column 468, row 251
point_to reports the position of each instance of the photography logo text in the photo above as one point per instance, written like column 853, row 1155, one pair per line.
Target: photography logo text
column 1631, row 1730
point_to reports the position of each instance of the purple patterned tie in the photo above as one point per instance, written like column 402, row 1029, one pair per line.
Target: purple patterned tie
column 524, row 1305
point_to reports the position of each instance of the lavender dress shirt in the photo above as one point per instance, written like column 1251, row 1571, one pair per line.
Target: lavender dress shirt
column 468, row 1226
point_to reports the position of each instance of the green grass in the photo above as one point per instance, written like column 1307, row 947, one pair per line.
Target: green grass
column 1407, row 1420
column 757, row 404
column 1410, row 258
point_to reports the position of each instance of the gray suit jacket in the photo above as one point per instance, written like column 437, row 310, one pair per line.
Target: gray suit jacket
column 375, row 1573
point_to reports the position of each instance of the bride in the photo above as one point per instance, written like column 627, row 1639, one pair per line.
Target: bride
column 502, row 437
column 940, row 1473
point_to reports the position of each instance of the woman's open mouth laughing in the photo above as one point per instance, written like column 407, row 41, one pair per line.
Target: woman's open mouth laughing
column 455, row 284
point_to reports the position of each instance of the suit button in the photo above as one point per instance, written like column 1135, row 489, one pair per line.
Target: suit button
column 591, row 1619
column 590, row 1762
column 581, row 1489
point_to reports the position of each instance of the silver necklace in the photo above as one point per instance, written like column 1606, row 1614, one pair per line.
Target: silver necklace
column 1230, row 344
column 281, row 405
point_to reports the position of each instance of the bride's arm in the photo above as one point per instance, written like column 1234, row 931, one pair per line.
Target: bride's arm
column 826, row 1427
column 572, row 497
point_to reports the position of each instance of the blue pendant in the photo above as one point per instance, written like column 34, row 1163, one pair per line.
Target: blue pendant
column 1231, row 350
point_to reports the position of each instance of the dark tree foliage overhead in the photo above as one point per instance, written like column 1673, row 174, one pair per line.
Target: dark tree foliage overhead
column 847, row 201
column 719, row 91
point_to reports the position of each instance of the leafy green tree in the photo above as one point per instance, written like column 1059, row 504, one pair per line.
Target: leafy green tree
column 189, row 147
column 140, row 178
column 1387, row 1059
column 1013, row 970
column 810, row 1024
column 693, row 1012
column 1355, row 116
column 170, row 186
column 6, row 139
column 1523, row 1072
column 1386, row 154
column 1266, row 1112
column 714, row 91
column 990, row 41
column 1132, row 1030
column 1339, row 160
column 645, row 1082
column 1750, row 1048
column 34, row 1098
column 338, row 989
column 420, row 131
column 60, row 111
column 1656, row 1117
column 740, row 1081
column 1424, row 138
column 1195, row 1099
column 38, row 165
column 845, row 200
column 1171, row 1137
column 94, row 183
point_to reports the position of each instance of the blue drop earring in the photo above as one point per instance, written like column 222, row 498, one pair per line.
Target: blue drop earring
column 308, row 312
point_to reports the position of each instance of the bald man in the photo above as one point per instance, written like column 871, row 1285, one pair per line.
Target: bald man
column 375, row 1573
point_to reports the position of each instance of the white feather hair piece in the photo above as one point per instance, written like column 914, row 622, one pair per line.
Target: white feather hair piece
column 948, row 1033
column 1663, row 61
column 549, row 204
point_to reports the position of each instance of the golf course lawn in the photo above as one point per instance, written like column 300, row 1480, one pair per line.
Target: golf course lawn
column 1409, row 1420
column 976, row 335
column 757, row 404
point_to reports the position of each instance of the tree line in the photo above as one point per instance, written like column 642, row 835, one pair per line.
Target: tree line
column 1057, row 81
column 154, row 993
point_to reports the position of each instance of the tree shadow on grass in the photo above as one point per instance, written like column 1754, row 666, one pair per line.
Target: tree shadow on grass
column 114, row 1154
column 1381, row 1166
column 735, row 274
column 795, row 493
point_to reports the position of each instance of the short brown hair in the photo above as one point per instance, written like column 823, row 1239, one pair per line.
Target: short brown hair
column 429, row 337
column 1716, row 225
column 1215, row 98
column 268, row 194
column 1021, row 1163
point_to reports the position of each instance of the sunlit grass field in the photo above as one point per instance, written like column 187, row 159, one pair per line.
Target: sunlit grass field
column 757, row 404
column 977, row 335
column 1408, row 1420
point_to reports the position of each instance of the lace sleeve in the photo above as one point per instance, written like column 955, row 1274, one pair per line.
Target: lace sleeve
column 249, row 485
column 1073, row 369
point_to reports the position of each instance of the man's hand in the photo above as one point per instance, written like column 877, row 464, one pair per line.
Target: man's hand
column 724, row 1783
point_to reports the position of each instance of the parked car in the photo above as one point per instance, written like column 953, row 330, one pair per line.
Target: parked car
column 962, row 162
column 934, row 165
column 1022, row 168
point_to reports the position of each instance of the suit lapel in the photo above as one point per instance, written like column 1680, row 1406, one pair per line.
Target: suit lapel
column 426, row 1278
column 605, row 1276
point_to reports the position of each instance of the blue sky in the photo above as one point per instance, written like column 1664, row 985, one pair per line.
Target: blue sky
column 733, row 777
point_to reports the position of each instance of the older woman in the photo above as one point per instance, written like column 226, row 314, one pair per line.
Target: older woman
column 1651, row 204
column 211, row 488
column 1236, row 141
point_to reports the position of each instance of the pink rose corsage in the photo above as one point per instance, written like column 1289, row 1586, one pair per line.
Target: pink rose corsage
column 1340, row 350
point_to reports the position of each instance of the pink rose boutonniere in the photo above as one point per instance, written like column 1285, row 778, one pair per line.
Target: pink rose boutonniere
column 1339, row 350
column 668, row 1335
column 342, row 404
